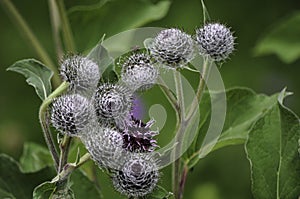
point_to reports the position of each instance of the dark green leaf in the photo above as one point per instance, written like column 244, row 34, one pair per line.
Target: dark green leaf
column 283, row 39
column 272, row 150
column 36, row 74
column 34, row 158
column 20, row 185
column 112, row 17
column 244, row 108
column 159, row 193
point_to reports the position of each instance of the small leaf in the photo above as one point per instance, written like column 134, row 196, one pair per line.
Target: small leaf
column 100, row 55
column 43, row 190
column 282, row 40
column 272, row 150
column 80, row 187
column 159, row 193
column 34, row 158
column 36, row 74
column 94, row 18
column 20, row 185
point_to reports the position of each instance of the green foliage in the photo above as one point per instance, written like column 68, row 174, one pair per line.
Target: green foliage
column 159, row 193
column 37, row 75
column 80, row 186
column 44, row 190
column 282, row 39
column 83, row 187
column 244, row 108
column 34, row 158
column 18, row 184
column 105, row 63
column 115, row 16
column 272, row 151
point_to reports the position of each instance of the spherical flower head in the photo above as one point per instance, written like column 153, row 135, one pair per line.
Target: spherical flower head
column 138, row 72
column 138, row 137
column 70, row 114
column 105, row 146
column 81, row 72
column 173, row 48
column 215, row 40
column 112, row 102
column 138, row 177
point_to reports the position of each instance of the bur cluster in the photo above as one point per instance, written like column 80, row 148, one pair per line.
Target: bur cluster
column 100, row 113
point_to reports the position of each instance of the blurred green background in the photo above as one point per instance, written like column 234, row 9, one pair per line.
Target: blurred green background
column 223, row 174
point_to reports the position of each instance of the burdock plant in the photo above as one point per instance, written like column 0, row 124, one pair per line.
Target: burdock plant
column 91, row 111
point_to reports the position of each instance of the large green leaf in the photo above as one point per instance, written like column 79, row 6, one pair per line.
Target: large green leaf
column 37, row 75
column 244, row 108
column 111, row 17
column 283, row 39
column 272, row 149
column 18, row 184
column 34, row 158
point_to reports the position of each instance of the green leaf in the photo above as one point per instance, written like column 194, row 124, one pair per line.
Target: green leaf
column 20, row 185
column 100, row 55
column 159, row 193
column 105, row 62
column 244, row 108
column 44, row 190
column 272, row 150
column 34, row 158
column 282, row 39
column 36, row 74
column 112, row 17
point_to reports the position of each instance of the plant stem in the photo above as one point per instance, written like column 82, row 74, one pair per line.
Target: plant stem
column 179, row 94
column 168, row 94
column 183, row 122
column 182, row 181
column 55, row 24
column 70, row 167
column 180, row 129
column 200, row 90
column 66, row 28
column 205, row 12
column 45, row 124
column 64, row 152
column 30, row 37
